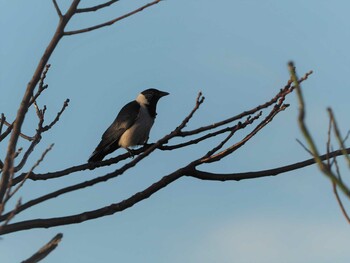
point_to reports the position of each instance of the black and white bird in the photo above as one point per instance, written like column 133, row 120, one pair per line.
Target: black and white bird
column 131, row 126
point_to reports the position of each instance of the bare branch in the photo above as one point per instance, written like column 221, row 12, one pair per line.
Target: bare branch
column 10, row 126
column 2, row 121
column 30, row 171
column 58, row 10
column 217, row 157
column 111, row 22
column 8, row 163
column 93, row 214
column 340, row 203
column 166, row 180
column 45, row 250
column 263, row 173
column 337, row 134
column 324, row 168
column 145, row 153
column 304, row 147
column 10, row 215
column 96, row 7
column 281, row 94
column 48, row 127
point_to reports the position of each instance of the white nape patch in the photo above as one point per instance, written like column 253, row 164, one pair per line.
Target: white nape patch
column 142, row 99
column 138, row 133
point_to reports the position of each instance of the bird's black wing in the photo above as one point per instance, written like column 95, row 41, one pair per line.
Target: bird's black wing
column 110, row 138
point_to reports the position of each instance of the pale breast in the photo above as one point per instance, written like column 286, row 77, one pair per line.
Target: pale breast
column 138, row 133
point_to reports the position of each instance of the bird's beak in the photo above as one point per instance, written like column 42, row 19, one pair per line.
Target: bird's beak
column 163, row 93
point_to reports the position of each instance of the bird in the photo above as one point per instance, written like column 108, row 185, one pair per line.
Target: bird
column 132, row 125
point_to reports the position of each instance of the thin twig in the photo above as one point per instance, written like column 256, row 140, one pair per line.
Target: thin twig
column 10, row 126
column 48, row 127
column 338, row 135
column 111, row 22
column 303, row 146
column 308, row 136
column 282, row 93
column 2, row 121
column 96, row 7
column 340, row 203
column 30, row 171
column 58, row 10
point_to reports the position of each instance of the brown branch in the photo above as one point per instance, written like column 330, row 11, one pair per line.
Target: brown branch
column 41, row 86
column 166, row 180
column 45, row 250
column 338, row 135
column 96, row 7
column 208, row 158
column 48, row 127
column 30, row 171
column 340, row 203
column 281, row 94
column 263, row 173
column 93, row 214
column 30, row 149
column 307, row 135
column 2, row 121
column 111, row 22
column 8, row 163
column 148, row 151
column 10, row 126
column 58, row 10
column 10, row 216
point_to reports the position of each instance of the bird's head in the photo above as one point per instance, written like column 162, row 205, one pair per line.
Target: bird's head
column 150, row 97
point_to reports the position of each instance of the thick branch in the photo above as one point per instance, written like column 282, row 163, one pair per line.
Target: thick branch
column 45, row 250
column 104, row 211
column 148, row 151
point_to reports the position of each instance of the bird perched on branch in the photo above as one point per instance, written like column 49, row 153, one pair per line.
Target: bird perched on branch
column 131, row 126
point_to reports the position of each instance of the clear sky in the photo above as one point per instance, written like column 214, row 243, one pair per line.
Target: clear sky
column 235, row 52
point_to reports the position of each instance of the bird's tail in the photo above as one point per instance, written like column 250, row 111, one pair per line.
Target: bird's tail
column 97, row 156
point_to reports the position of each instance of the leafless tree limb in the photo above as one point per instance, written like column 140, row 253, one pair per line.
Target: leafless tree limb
column 8, row 163
column 45, row 250
column 111, row 22
column 58, row 10
column 7, row 132
column 31, row 170
column 301, row 121
column 96, row 7
column 57, row 118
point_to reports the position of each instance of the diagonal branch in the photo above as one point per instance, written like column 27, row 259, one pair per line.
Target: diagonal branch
column 111, row 22
column 23, row 108
column 57, row 118
column 96, row 7
column 208, row 158
column 106, row 177
column 188, row 170
column 58, row 10
column 307, row 135
column 93, row 214
column 281, row 94
column 45, row 250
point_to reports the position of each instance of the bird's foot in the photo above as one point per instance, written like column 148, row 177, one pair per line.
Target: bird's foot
column 131, row 152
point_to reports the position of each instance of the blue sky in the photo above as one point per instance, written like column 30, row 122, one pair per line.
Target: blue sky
column 236, row 53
